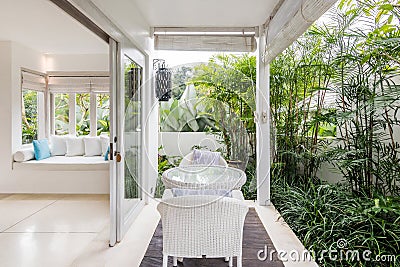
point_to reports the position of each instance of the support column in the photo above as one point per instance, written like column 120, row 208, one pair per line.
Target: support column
column 263, row 124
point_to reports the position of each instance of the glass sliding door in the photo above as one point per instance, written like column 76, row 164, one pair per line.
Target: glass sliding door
column 132, row 130
column 131, row 189
column 126, row 140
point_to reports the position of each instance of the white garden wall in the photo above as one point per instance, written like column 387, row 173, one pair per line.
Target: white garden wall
column 181, row 143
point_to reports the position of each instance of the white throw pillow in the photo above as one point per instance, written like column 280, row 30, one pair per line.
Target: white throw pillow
column 92, row 146
column 75, row 147
column 105, row 142
column 58, row 145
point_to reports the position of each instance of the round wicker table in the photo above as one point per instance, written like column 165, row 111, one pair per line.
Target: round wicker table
column 204, row 177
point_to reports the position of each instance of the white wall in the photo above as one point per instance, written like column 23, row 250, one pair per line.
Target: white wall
column 181, row 143
column 5, row 111
column 13, row 57
column 26, row 57
column 84, row 62
column 329, row 173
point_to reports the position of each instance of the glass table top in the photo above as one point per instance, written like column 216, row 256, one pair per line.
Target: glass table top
column 204, row 175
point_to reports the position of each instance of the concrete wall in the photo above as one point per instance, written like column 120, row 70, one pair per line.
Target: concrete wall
column 329, row 173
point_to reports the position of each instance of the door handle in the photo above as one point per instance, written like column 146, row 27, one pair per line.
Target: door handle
column 118, row 156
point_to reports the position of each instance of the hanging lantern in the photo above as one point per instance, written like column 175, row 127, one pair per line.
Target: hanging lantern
column 133, row 83
column 163, row 83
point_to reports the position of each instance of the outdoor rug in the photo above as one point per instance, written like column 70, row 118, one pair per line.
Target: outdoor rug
column 255, row 238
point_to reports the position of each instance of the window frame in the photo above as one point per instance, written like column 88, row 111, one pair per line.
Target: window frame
column 72, row 113
column 72, row 100
column 42, row 95
column 46, row 100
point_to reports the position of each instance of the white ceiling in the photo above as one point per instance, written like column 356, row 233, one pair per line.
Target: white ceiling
column 41, row 25
column 206, row 13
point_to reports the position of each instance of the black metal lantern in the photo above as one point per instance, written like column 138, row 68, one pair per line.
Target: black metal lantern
column 163, row 81
column 133, row 82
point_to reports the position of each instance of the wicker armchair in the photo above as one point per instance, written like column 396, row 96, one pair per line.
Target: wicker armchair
column 188, row 160
column 194, row 226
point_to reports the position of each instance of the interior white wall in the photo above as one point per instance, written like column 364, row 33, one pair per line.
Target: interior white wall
column 5, row 111
column 81, row 62
column 13, row 56
column 25, row 57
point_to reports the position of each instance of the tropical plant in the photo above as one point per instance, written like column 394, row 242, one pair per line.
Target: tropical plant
column 164, row 163
column 29, row 116
column 61, row 113
column 226, row 85
column 82, row 109
column 103, row 113
column 354, row 56
column 365, row 66
column 180, row 78
column 184, row 115
column 351, row 62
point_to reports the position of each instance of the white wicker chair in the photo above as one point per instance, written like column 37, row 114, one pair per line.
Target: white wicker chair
column 188, row 160
column 194, row 226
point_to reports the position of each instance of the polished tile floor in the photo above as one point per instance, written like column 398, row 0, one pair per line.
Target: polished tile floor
column 49, row 230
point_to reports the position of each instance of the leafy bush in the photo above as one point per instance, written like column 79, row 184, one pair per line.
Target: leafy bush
column 29, row 116
column 164, row 163
column 322, row 214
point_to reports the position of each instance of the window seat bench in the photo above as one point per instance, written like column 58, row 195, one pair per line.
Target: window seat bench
column 63, row 163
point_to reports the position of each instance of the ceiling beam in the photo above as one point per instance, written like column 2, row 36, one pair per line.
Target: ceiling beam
column 82, row 18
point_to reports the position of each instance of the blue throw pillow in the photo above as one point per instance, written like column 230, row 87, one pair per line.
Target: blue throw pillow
column 107, row 153
column 41, row 149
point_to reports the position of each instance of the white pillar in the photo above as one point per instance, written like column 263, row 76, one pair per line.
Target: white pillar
column 93, row 114
column 263, row 124
column 72, row 114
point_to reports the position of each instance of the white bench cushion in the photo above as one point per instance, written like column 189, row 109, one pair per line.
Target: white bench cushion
column 62, row 163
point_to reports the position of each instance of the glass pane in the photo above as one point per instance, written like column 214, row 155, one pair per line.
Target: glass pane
column 132, row 131
column 29, row 116
column 82, row 109
column 61, row 114
column 103, row 113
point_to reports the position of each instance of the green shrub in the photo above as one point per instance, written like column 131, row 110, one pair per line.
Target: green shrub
column 321, row 214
